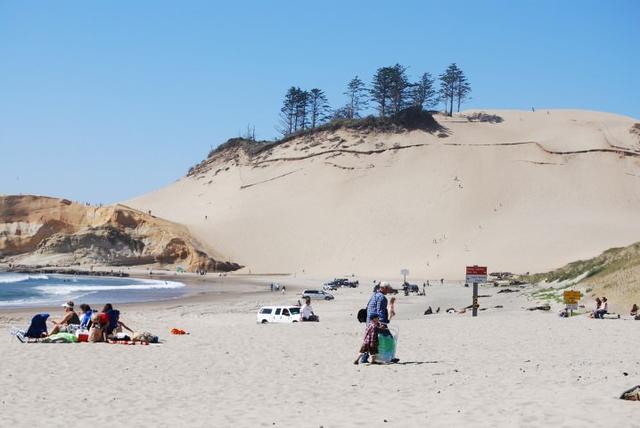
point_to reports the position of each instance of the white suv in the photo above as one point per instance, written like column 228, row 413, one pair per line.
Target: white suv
column 280, row 314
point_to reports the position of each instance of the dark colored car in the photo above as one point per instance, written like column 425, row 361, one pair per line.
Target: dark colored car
column 410, row 288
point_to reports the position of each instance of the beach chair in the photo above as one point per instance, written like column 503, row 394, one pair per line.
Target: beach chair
column 36, row 330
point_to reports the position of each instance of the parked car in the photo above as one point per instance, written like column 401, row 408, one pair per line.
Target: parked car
column 317, row 295
column 352, row 283
column 342, row 282
column 329, row 286
column 410, row 288
column 278, row 314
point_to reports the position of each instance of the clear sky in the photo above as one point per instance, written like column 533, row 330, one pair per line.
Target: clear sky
column 103, row 101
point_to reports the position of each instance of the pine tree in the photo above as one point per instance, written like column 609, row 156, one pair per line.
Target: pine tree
column 302, row 111
column 423, row 92
column 381, row 89
column 356, row 98
column 288, row 112
column 399, row 88
column 318, row 107
column 463, row 88
column 448, row 82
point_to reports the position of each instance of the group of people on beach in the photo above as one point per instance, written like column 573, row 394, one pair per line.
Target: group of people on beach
column 99, row 326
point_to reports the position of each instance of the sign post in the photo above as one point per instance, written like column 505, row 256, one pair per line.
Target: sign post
column 404, row 273
column 475, row 275
column 571, row 299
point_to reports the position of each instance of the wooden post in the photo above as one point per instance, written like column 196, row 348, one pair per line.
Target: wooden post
column 475, row 299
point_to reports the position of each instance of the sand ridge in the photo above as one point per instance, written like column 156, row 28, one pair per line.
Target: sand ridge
column 528, row 194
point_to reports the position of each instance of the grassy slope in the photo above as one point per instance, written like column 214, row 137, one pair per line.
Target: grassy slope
column 614, row 273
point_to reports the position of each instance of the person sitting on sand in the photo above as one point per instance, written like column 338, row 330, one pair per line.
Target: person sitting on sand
column 115, row 325
column 99, row 324
column 598, row 305
column 85, row 316
column 370, row 341
column 70, row 318
column 306, row 311
column 634, row 310
column 604, row 309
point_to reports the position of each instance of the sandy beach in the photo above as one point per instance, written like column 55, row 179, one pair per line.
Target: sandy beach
column 507, row 367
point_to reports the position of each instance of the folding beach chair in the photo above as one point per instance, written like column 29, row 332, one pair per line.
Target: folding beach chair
column 37, row 329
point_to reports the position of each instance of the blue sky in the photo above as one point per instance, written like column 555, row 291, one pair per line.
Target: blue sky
column 103, row 101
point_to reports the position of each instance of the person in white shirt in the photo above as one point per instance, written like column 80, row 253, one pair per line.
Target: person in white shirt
column 306, row 311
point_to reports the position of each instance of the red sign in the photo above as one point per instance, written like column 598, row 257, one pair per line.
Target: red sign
column 476, row 270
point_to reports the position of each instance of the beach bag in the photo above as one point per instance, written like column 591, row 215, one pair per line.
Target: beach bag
column 95, row 334
column 387, row 343
column 362, row 315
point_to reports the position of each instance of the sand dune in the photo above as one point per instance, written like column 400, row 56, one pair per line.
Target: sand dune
column 531, row 193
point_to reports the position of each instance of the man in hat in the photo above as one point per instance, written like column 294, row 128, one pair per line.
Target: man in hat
column 377, row 307
column 70, row 318
column 378, row 303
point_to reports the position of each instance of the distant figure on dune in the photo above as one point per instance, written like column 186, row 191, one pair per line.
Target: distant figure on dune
column 634, row 310
column 283, row 289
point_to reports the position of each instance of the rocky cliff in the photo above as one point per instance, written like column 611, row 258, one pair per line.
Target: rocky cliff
column 36, row 230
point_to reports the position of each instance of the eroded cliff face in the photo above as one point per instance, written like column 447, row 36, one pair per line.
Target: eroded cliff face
column 37, row 230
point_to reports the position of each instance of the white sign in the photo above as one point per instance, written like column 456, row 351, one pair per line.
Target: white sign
column 476, row 279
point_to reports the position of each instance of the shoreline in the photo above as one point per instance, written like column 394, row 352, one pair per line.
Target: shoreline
column 210, row 288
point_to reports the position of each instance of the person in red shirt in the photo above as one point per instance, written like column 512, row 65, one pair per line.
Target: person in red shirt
column 370, row 342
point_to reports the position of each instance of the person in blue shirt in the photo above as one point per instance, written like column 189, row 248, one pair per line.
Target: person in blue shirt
column 378, row 303
column 377, row 307
column 85, row 316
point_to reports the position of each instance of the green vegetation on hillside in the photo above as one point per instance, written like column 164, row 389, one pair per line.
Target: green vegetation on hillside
column 607, row 263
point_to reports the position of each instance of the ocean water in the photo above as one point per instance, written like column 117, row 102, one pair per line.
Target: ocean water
column 20, row 289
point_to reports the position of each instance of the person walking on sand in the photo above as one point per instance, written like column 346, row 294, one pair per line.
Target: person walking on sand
column 378, row 303
column 283, row 289
column 377, row 306
column 370, row 341
column 392, row 308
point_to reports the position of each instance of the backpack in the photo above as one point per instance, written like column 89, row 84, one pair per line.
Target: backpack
column 362, row 315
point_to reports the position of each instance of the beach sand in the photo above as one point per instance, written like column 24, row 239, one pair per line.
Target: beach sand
column 507, row 367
